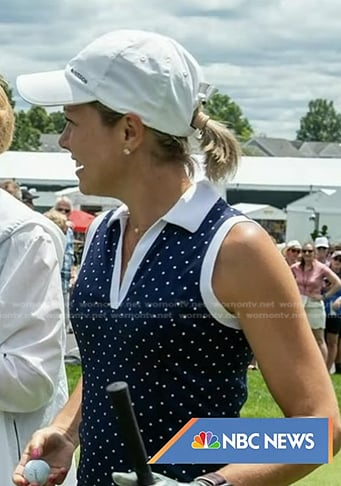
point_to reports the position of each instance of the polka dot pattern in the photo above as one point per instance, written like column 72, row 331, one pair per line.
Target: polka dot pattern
column 178, row 361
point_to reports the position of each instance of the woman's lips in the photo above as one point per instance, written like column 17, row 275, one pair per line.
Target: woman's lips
column 80, row 167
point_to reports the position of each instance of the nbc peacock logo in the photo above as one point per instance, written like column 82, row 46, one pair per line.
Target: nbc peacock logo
column 205, row 440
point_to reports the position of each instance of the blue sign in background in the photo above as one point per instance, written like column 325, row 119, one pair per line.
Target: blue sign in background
column 314, row 448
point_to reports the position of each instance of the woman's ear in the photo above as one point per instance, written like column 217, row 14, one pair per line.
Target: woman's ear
column 134, row 130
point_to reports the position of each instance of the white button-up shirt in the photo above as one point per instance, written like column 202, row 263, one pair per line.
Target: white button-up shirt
column 33, row 385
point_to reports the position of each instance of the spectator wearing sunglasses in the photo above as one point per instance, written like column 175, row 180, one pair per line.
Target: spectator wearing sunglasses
column 63, row 205
column 292, row 251
column 310, row 275
column 333, row 313
column 322, row 249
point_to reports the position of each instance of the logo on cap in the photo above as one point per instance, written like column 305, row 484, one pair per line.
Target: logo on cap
column 79, row 76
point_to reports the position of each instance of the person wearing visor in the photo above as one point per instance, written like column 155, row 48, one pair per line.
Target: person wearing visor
column 159, row 299
column 292, row 252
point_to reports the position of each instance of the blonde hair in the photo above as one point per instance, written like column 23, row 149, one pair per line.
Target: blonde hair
column 58, row 218
column 12, row 187
column 6, row 120
column 221, row 150
column 220, row 147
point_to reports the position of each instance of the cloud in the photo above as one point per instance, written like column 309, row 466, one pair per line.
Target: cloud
column 270, row 57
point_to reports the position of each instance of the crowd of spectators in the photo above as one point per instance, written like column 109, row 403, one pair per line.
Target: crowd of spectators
column 316, row 266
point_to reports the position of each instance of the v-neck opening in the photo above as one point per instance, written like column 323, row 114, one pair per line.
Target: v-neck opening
column 120, row 287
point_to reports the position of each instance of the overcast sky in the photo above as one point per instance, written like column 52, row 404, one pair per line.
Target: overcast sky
column 270, row 56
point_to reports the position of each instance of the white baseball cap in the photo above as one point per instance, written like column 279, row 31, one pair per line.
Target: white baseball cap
column 321, row 242
column 129, row 71
column 294, row 244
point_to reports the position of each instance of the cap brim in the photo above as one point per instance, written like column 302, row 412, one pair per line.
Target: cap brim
column 51, row 89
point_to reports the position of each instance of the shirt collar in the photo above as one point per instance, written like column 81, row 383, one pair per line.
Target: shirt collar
column 188, row 212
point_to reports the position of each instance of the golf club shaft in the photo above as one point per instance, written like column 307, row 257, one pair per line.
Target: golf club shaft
column 121, row 401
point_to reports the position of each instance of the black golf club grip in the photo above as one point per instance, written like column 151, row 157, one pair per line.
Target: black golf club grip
column 121, row 401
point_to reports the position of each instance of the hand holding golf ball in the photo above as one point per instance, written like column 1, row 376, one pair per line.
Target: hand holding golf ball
column 37, row 471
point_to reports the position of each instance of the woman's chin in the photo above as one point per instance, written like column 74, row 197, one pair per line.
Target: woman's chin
column 84, row 188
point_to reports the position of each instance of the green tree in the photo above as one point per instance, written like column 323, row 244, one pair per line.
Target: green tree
column 58, row 120
column 26, row 137
column 31, row 124
column 321, row 123
column 40, row 119
column 322, row 232
column 220, row 107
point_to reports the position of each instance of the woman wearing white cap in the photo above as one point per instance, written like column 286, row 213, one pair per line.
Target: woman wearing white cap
column 321, row 244
column 160, row 298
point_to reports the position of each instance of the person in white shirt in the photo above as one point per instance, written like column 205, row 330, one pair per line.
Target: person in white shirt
column 32, row 335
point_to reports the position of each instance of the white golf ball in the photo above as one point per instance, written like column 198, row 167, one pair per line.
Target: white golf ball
column 37, row 471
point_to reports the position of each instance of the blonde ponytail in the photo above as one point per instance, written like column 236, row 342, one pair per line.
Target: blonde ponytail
column 6, row 121
column 220, row 147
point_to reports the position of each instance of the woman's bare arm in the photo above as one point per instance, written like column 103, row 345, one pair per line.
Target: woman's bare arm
column 249, row 268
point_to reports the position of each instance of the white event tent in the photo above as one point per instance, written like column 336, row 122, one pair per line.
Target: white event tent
column 261, row 211
column 288, row 173
column 261, row 173
column 312, row 212
column 39, row 168
column 54, row 171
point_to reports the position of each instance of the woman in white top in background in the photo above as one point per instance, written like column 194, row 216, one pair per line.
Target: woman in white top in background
column 32, row 339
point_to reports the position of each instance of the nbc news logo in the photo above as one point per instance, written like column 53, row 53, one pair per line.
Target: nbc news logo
column 208, row 440
column 205, row 440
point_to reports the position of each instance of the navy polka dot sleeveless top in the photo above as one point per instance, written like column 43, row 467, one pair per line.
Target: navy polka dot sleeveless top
column 178, row 360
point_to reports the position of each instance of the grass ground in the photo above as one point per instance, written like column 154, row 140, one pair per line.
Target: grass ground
column 261, row 404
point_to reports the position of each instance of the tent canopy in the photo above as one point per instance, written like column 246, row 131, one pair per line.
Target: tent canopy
column 80, row 220
column 261, row 211
column 38, row 168
column 291, row 174
column 305, row 174
column 79, row 199
column 320, row 201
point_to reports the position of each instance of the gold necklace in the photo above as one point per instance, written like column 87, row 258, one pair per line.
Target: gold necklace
column 132, row 236
column 136, row 229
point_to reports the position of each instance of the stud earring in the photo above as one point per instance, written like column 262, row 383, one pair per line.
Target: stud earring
column 126, row 151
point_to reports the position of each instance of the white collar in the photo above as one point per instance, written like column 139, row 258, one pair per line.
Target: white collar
column 188, row 212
